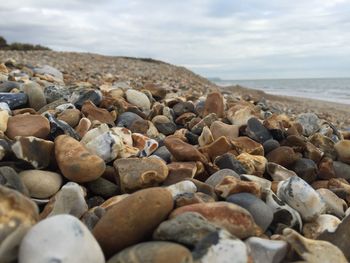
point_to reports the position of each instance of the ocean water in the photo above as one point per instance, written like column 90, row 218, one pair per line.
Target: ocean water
column 329, row 89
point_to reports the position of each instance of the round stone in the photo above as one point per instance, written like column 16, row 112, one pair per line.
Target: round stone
column 36, row 96
column 133, row 219
column 59, row 239
column 138, row 99
column 41, row 184
column 75, row 162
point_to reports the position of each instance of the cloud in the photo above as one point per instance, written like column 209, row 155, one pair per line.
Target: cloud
column 229, row 39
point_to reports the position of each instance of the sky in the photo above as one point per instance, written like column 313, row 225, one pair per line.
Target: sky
column 230, row 39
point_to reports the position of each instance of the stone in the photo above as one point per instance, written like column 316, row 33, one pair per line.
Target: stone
column 7, row 86
column 70, row 116
column 69, row 200
column 262, row 213
column 221, row 247
column 94, row 96
column 4, row 116
column 267, row 251
column 192, row 198
column 164, row 125
column 17, row 214
column 145, row 145
column 58, row 128
column 306, row 169
column 41, row 184
column 322, row 223
column 231, row 185
column 313, row 153
column 83, row 127
column 28, row 125
column 343, row 150
column 57, row 239
column 183, row 107
column 142, row 212
column 155, row 252
column 103, row 142
column 326, row 169
column 264, row 183
column 228, row 161
column 334, row 205
column 158, row 92
column 283, row 155
column 187, row 229
column 206, row 137
column 341, row 170
column 235, row 219
column 218, row 176
column 183, row 151
column 240, row 114
column 94, row 113
column 302, row 197
column 219, row 129
column 38, row 152
column 10, row 179
column 309, row 122
column 325, row 144
column 253, row 164
column 244, row 144
column 256, row 131
column 92, row 216
column 206, row 121
column 138, row 99
column 181, row 188
column 48, row 70
column 270, row 145
column 283, row 215
column 139, row 173
column 76, row 162
column 214, row 104
column 339, row 237
column 163, row 153
column 217, row 148
column 36, row 96
column 126, row 119
column 313, row 251
column 103, row 187
column 278, row 172
column 14, row 100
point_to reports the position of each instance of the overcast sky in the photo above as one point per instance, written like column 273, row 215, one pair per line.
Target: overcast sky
column 231, row 39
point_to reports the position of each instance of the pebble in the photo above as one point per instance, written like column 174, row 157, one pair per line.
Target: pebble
column 231, row 185
column 142, row 212
column 267, row 251
column 323, row 223
column 135, row 173
column 103, row 187
column 38, row 152
column 94, row 96
column 4, row 116
column 306, row 169
column 93, row 113
column 228, row 161
column 313, row 251
column 283, row 155
column 218, row 176
column 219, row 129
column 164, row 125
column 28, row 125
column 253, row 164
column 221, row 247
column 334, row 205
column 278, row 172
column 244, row 144
column 187, row 229
column 270, row 145
column 262, row 213
column 70, row 116
column 58, row 128
column 41, row 184
column 302, row 197
column 18, row 215
column 342, row 147
column 183, row 151
column 206, row 137
column 10, row 179
column 214, row 104
column 309, row 122
column 256, row 131
column 58, row 239
column 235, row 219
column 75, row 162
column 155, row 252
column 36, row 96
column 138, row 99
column 14, row 100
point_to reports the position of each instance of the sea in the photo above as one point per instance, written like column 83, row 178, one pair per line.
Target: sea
column 328, row 89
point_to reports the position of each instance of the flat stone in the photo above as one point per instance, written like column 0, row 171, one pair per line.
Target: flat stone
column 126, row 119
column 38, row 152
column 187, row 229
column 261, row 213
column 155, row 252
column 183, row 151
column 28, row 125
column 142, row 212
column 57, row 239
column 163, row 153
column 231, row 217
column 58, row 128
column 267, row 251
column 181, row 188
column 94, row 113
column 41, row 184
column 219, row 129
column 75, row 162
column 302, row 197
column 94, row 96
column 179, row 171
column 244, row 144
column 217, row 148
column 18, row 215
column 139, row 173
column 183, row 107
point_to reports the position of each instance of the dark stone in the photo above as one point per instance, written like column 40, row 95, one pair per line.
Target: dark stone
column 94, row 96
column 103, row 187
column 229, row 161
column 94, row 201
column 163, row 153
column 126, row 119
column 10, row 179
column 262, row 214
column 7, row 86
column 270, row 145
column 58, row 127
column 14, row 100
column 256, row 131
column 305, row 169
column 167, row 128
column 191, row 138
column 5, row 149
column 182, row 107
column 342, row 170
column 53, row 93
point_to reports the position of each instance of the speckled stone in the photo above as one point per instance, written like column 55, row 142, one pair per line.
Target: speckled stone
column 142, row 212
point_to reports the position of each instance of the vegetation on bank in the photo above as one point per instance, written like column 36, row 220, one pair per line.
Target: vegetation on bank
column 19, row 46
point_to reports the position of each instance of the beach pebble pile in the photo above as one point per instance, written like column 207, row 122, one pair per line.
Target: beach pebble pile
column 117, row 173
